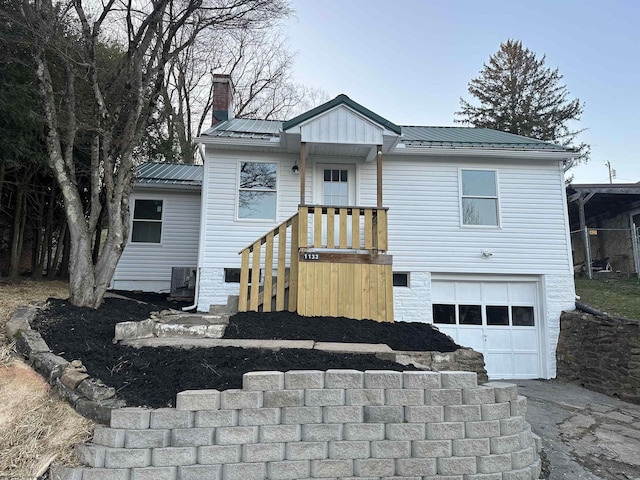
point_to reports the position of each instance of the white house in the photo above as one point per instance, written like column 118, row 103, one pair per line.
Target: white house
column 470, row 227
column 165, row 227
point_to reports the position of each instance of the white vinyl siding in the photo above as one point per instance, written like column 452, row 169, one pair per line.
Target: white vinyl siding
column 425, row 231
column 225, row 236
column 147, row 266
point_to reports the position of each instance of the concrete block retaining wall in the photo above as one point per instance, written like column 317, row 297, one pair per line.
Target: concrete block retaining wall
column 344, row 424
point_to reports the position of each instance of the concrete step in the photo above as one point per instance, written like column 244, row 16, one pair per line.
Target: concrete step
column 231, row 308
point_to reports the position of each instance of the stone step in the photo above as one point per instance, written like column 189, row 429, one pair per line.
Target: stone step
column 164, row 330
column 195, row 319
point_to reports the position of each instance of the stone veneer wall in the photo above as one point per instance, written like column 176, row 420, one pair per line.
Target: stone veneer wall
column 601, row 354
column 345, row 424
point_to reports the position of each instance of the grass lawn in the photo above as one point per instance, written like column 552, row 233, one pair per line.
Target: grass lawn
column 617, row 297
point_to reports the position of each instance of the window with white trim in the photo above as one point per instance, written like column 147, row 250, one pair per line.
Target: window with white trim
column 257, row 191
column 479, row 197
column 147, row 221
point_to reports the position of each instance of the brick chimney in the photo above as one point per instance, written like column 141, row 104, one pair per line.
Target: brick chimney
column 222, row 98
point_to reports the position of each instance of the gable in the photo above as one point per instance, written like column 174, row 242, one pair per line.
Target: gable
column 341, row 125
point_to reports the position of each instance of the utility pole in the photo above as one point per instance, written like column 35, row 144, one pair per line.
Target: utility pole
column 612, row 172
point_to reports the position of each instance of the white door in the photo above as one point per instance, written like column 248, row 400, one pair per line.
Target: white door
column 336, row 184
column 336, row 189
column 498, row 318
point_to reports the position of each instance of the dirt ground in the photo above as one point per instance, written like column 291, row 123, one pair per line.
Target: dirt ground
column 153, row 376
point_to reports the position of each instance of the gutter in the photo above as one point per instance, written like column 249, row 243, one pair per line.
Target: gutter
column 404, row 149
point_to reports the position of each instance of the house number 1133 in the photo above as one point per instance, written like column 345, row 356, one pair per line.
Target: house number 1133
column 311, row 256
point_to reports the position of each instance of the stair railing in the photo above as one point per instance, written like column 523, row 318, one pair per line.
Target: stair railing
column 253, row 261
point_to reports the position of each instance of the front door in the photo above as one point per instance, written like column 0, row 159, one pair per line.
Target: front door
column 337, row 189
column 337, row 185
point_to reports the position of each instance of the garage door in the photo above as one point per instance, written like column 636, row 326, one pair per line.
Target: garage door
column 498, row 318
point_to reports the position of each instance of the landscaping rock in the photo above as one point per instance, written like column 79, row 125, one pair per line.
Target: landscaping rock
column 20, row 321
column 29, row 342
column 95, row 389
column 72, row 376
column 50, row 366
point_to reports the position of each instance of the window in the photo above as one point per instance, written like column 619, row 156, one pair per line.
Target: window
column 479, row 197
column 522, row 316
column 147, row 221
column 232, row 275
column 336, row 187
column 400, row 279
column 470, row 314
column 444, row 314
column 495, row 315
column 257, row 191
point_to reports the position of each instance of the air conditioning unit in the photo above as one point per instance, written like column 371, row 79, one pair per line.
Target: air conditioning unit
column 183, row 282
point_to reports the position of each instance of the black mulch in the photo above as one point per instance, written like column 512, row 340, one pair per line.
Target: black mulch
column 153, row 376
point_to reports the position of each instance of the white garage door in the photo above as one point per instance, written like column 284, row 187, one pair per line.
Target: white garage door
column 498, row 318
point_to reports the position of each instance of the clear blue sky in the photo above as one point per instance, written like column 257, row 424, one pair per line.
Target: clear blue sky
column 411, row 60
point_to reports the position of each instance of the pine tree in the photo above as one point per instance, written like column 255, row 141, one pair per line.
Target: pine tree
column 518, row 93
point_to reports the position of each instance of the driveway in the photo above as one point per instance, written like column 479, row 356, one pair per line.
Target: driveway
column 585, row 435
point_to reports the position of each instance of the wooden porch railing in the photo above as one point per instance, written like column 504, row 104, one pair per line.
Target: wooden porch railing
column 355, row 228
column 337, row 265
column 251, row 297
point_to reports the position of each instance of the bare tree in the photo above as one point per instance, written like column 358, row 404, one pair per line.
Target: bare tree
column 260, row 66
column 111, row 107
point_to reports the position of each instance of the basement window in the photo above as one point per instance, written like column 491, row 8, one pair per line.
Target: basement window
column 147, row 221
column 401, row 279
column 232, row 275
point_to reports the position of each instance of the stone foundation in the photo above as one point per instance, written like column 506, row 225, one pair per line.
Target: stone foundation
column 601, row 354
column 342, row 424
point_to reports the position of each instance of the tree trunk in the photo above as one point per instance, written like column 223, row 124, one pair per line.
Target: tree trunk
column 66, row 249
column 56, row 268
column 3, row 169
column 38, row 255
column 47, row 248
column 17, row 237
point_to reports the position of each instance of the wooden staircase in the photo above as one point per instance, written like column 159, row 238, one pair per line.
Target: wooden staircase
column 335, row 264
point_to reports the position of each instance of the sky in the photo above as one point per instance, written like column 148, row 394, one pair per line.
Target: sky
column 410, row 61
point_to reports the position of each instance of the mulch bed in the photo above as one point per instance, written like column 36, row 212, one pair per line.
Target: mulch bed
column 153, row 376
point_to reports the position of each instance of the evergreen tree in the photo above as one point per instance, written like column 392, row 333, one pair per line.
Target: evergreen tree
column 518, row 93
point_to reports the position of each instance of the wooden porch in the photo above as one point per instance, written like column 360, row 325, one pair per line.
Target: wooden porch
column 322, row 261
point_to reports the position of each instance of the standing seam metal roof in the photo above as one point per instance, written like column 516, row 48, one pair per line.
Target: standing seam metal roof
column 411, row 135
column 169, row 173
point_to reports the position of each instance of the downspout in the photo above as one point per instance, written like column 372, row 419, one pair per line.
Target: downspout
column 196, row 291
column 203, row 216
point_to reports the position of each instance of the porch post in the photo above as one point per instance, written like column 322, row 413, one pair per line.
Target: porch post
column 303, row 175
column 379, row 175
column 586, row 241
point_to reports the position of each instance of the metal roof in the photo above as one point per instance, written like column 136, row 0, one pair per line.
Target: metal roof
column 471, row 137
column 246, row 128
column 411, row 135
column 169, row 173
